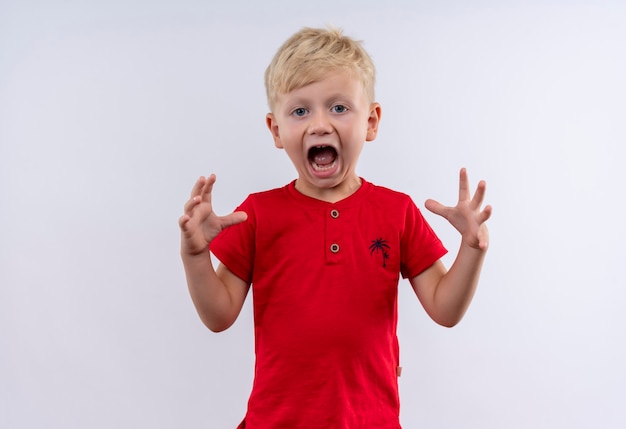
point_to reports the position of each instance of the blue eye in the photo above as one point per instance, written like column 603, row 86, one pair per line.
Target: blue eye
column 300, row 111
column 339, row 108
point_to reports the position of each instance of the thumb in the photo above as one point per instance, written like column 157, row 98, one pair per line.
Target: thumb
column 435, row 207
column 233, row 219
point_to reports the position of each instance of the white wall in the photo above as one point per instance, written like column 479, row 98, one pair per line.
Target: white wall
column 110, row 110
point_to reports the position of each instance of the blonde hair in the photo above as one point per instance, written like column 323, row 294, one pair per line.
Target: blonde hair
column 310, row 54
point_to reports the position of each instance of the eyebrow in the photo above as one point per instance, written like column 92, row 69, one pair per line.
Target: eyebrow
column 327, row 100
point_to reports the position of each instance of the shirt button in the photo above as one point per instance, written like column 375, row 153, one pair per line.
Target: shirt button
column 334, row 214
column 334, row 248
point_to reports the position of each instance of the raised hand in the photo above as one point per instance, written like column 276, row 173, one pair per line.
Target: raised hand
column 199, row 225
column 467, row 216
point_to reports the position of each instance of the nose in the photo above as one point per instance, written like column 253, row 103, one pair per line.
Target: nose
column 319, row 124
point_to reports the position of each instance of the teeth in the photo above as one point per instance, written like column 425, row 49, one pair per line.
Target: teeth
column 318, row 167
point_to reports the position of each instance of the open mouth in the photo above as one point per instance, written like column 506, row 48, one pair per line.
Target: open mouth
column 322, row 157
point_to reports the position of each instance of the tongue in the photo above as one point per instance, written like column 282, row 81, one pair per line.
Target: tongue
column 323, row 156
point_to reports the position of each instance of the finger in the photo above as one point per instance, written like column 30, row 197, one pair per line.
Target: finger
column 485, row 214
column 208, row 188
column 182, row 221
column 464, row 192
column 197, row 187
column 479, row 195
column 190, row 204
column 483, row 238
column 436, row 207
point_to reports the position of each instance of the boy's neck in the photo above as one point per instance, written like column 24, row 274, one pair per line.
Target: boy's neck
column 330, row 195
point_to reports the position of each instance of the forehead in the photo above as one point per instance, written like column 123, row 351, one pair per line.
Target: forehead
column 336, row 84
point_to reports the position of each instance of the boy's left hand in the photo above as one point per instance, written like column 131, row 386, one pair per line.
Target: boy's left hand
column 466, row 216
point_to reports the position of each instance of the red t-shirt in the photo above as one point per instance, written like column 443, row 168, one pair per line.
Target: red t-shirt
column 325, row 284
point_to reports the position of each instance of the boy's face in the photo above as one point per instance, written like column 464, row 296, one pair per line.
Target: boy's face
column 322, row 127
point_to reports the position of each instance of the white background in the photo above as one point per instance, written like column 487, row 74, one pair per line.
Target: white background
column 109, row 111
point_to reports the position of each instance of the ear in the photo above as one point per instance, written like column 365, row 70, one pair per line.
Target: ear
column 373, row 121
column 272, row 125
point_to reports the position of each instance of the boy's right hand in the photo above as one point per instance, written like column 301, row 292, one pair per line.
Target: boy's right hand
column 199, row 225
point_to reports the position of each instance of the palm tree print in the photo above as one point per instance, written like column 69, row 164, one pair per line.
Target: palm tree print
column 380, row 245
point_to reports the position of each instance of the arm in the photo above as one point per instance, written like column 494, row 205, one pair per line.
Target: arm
column 217, row 295
column 446, row 295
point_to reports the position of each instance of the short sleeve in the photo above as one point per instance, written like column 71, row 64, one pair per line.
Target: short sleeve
column 420, row 246
column 235, row 246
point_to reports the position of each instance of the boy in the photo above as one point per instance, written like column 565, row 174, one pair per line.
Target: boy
column 324, row 254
